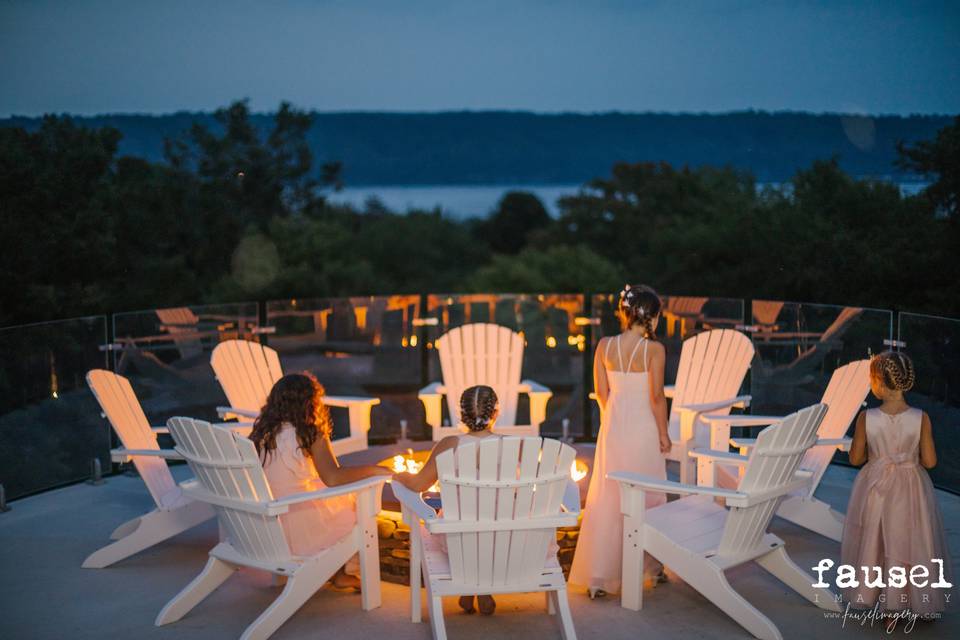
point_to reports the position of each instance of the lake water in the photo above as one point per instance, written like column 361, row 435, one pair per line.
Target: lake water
column 465, row 201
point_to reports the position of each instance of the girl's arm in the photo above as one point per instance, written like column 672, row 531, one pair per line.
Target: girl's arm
column 658, row 400
column 330, row 471
column 600, row 385
column 928, row 453
column 858, row 449
column 424, row 479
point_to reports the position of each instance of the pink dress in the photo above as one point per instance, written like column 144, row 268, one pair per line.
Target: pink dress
column 893, row 518
column 628, row 441
column 310, row 527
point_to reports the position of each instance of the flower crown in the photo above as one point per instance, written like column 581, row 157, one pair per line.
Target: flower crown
column 628, row 298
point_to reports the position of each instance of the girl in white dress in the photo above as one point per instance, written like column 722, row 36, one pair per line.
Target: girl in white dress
column 628, row 378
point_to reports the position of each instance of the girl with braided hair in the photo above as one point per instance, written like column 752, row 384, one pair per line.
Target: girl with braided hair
column 893, row 519
column 628, row 378
column 479, row 409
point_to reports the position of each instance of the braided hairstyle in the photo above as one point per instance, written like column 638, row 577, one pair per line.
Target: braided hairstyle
column 478, row 407
column 640, row 305
column 296, row 398
column 894, row 369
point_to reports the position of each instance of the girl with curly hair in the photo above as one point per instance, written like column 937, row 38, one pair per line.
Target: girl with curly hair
column 292, row 436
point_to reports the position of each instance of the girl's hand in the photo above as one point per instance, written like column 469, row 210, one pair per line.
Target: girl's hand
column 665, row 443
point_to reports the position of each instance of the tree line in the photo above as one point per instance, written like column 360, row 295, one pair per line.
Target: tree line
column 238, row 211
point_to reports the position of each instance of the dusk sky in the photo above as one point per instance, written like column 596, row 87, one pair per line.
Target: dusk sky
column 89, row 57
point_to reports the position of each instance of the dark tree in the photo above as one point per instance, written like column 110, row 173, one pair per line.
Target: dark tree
column 508, row 229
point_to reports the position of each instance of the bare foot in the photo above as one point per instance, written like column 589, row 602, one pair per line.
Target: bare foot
column 486, row 604
column 466, row 603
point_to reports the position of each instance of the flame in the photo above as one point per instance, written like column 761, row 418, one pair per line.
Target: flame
column 578, row 470
column 413, row 341
column 408, row 464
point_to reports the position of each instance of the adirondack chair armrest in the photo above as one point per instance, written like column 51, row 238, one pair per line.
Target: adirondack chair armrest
column 283, row 504
column 432, row 398
column 530, row 387
column 347, row 402
column 159, row 430
column 571, row 498
column 126, row 455
column 649, row 483
column 669, row 390
column 744, row 444
column 739, row 420
column 723, row 457
column 413, row 501
column 432, row 389
column 840, row 443
column 245, row 413
column 741, row 402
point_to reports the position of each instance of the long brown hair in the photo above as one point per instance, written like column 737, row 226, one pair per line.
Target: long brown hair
column 296, row 398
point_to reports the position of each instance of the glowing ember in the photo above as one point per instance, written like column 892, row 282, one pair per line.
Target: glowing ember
column 409, row 463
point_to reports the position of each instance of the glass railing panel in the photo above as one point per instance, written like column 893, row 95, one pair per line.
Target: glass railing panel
column 50, row 424
column 165, row 353
column 799, row 345
column 554, row 351
column 681, row 317
column 365, row 346
column 933, row 343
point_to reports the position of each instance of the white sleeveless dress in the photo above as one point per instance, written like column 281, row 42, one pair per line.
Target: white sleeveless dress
column 628, row 441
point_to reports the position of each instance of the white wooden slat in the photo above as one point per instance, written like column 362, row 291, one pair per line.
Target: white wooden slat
column 505, row 503
column 467, row 469
column 486, row 508
column 546, row 501
column 450, row 498
column 529, row 463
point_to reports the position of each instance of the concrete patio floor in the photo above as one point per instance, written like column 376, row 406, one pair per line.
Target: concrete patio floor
column 44, row 594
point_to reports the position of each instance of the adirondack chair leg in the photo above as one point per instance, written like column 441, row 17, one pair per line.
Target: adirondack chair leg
column 213, row 575
column 369, row 565
column 154, row 527
column 300, row 587
column 780, row 565
column 631, row 590
column 566, row 619
column 415, row 568
column 435, row 611
column 551, row 609
column 711, row 582
column 813, row 514
column 126, row 528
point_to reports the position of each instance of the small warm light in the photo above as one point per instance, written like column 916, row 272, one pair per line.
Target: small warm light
column 429, row 345
column 413, row 341
column 578, row 470
column 571, row 340
column 409, row 464
column 581, row 346
column 55, row 395
column 551, row 342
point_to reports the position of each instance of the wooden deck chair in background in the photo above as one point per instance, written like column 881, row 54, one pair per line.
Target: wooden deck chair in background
column 712, row 367
column 489, row 354
column 230, row 478
column 700, row 540
column 844, row 396
column 174, row 512
column 248, row 370
column 503, row 499
column 681, row 310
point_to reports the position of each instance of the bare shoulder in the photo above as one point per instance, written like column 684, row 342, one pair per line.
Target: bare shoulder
column 862, row 417
column 924, row 419
column 656, row 349
column 447, row 443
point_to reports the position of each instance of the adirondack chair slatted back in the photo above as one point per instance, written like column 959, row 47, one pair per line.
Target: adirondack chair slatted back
column 712, row 367
column 482, row 353
column 844, row 396
column 527, row 478
column 181, row 323
column 773, row 463
column 121, row 407
column 226, row 465
column 247, row 371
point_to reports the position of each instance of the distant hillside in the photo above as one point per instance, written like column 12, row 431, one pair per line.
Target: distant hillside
column 499, row 147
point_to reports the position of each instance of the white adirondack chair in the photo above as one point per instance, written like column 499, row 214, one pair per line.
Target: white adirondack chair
column 248, row 370
column 489, row 354
column 503, row 499
column 230, row 478
column 844, row 396
column 712, row 367
column 174, row 512
column 700, row 540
